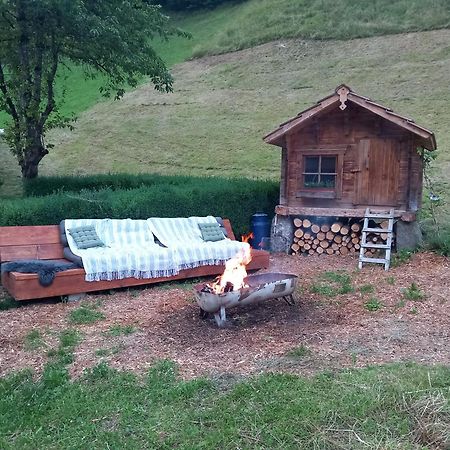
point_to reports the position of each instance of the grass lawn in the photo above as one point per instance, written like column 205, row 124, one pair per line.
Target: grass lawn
column 397, row 406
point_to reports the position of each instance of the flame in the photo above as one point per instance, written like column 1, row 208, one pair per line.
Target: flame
column 234, row 273
column 247, row 237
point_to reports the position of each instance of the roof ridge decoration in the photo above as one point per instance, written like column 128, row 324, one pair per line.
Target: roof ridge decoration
column 343, row 92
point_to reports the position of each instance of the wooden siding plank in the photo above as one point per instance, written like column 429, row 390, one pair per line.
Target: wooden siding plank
column 12, row 253
column 29, row 235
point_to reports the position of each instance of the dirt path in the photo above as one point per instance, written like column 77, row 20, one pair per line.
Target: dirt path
column 320, row 332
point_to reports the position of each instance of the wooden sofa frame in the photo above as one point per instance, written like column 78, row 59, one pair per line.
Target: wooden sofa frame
column 44, row 242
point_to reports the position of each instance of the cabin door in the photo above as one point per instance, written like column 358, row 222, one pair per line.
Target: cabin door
column 379, row 169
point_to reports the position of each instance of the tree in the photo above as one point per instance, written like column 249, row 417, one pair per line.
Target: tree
column 37, row 37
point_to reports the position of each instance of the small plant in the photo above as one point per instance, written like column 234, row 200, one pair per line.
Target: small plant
column 101, row 352
column 413, row 292
column 367, row 289
column 299, row 352
column 400, row 304
column 390, row 280
column 440, row 242
column 33, row 340
column 69, row 338
column 84, row 315
column 63, row 355
column 401, row 257
column 331, row 284
column 117, row 330
column 8, row 303
column 413, row 311
column 373, row 304
column 320, row 288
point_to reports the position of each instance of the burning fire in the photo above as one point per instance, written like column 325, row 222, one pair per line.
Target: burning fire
column 247, row 237
column 232, row 278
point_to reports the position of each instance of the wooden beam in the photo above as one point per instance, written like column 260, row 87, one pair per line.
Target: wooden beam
column 407, row 216
column 25, row 286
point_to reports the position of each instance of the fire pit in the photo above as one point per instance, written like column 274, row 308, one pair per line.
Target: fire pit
column 255, row 289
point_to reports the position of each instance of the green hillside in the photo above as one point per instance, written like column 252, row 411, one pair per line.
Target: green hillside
column 235, row 27
column 223, row 105
column 259, row 21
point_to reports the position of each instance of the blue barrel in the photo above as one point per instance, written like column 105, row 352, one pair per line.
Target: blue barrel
column 260, row 229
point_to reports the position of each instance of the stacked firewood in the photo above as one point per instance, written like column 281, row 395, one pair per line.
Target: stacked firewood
column 335, row 238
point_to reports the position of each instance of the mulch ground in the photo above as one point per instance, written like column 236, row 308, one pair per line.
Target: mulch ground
column 335, row 332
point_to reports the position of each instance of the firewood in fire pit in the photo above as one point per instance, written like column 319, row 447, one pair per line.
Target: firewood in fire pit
column 228, row 287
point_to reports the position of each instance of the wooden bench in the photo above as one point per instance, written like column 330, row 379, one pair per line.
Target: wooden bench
column 44, row 242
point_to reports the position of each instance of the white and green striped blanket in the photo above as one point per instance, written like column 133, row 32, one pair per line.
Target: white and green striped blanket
column 184, row 237
column 130, row 251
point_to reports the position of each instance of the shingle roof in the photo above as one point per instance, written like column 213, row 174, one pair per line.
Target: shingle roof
column 340, row 97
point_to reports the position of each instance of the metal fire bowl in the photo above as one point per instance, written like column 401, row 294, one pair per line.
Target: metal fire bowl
column 260, row 287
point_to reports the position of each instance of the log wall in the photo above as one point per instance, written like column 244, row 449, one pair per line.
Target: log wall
column 377, row 162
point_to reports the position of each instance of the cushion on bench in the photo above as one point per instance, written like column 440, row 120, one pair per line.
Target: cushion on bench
column 211, row 232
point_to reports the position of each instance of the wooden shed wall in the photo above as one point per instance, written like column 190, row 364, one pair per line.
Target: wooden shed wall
column 395, row 178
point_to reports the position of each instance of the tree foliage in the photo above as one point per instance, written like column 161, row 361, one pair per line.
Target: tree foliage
column 108, row 37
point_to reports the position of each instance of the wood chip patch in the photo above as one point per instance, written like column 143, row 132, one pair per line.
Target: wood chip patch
column 337, row 331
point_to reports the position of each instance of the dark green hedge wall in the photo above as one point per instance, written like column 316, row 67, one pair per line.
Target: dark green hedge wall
column 130, row 196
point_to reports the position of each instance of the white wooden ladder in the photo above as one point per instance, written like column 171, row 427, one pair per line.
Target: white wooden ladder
column 377, row 214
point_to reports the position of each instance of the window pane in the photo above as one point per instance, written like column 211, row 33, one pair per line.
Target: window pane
column 312, row 164
column 328, row 181
column 328, row 164
column 311, row 180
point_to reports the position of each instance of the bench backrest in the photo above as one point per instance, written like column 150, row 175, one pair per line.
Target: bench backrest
column 30, row 242
column 41, row 242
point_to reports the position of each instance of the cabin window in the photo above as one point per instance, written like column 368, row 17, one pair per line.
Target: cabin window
column 319, row 172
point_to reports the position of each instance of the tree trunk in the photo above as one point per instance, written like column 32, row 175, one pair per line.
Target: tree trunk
column 32, row 157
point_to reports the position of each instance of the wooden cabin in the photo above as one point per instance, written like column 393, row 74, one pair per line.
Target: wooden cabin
column 347, row 153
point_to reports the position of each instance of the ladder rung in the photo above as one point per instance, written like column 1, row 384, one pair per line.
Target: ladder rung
column 386, row 246
column 377, row 230
column 373, row 260
column 378, row 216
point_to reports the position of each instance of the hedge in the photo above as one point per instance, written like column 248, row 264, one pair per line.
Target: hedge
column 40, row 186
column 236, row 199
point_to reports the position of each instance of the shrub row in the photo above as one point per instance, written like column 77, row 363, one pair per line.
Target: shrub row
column 40, row 186
column 236, row 199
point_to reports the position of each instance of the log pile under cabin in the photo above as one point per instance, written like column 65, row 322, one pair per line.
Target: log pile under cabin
column 339, row 237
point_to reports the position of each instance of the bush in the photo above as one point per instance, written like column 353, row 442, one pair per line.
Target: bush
column 439, row 242
column 235, row 199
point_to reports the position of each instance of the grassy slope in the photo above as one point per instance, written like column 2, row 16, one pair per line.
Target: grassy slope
column 252, row 22
column 401, row 406
column 222, row 106
column 259, row 21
